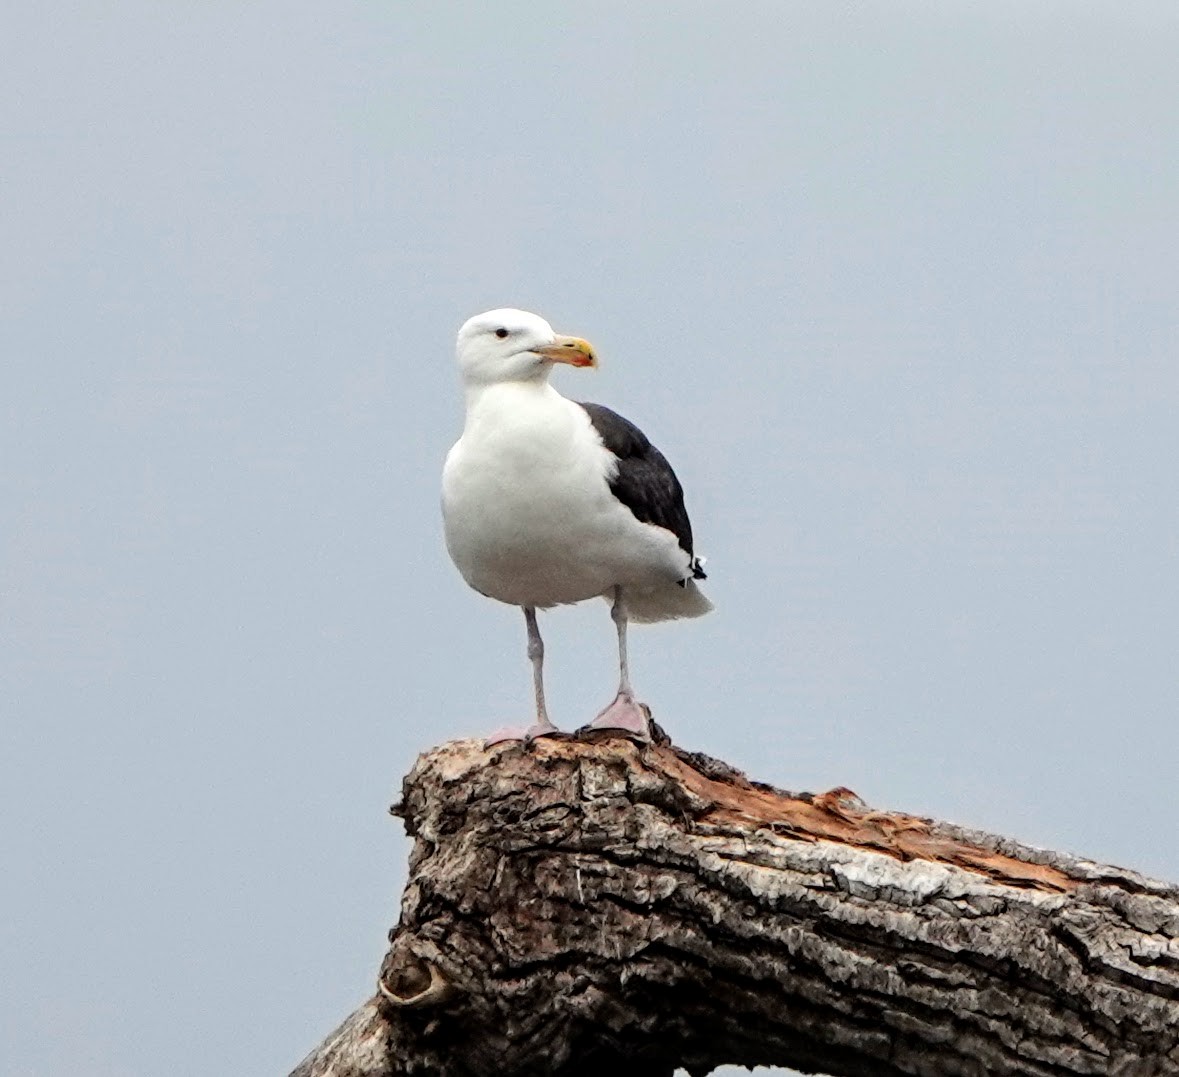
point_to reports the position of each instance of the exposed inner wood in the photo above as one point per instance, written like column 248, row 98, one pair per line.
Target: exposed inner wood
column 839, row 815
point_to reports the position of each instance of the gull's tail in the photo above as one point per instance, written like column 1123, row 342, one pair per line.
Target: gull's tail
column 666, row 602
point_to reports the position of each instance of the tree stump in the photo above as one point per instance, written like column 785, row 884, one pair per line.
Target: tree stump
column 597, row 906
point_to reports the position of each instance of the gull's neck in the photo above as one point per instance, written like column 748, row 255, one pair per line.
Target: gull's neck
column 523, row 391
column 510, row 404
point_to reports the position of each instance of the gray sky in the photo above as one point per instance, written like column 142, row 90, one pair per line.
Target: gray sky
column 893, row 285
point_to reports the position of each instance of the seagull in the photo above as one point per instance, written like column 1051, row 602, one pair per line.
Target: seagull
column 546, row 502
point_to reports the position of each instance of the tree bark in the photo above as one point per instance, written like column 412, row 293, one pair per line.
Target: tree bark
column 592, row 905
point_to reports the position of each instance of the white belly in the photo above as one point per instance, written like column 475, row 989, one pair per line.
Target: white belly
column 528, row 512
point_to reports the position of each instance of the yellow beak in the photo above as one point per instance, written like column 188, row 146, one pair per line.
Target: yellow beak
column 571, row 350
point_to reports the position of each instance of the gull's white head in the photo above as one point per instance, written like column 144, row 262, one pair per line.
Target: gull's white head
column 513, row 345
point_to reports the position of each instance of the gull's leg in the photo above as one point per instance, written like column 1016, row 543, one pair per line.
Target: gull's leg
column 542, row 727
column 625, row 713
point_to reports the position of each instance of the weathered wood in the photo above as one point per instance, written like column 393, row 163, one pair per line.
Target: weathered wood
column 595, row 906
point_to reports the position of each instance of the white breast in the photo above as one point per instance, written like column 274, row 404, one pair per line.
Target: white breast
column 528, row 512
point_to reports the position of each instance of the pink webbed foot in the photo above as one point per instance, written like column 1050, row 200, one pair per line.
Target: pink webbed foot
column 524, row 734
column 627, row 715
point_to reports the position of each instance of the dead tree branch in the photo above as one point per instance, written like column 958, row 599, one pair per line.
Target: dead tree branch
column 592, row 903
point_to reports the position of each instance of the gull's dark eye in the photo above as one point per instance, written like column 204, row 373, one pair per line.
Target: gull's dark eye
column 501, row 332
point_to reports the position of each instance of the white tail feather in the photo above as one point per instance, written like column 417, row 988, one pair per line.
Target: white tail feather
column 666, row 603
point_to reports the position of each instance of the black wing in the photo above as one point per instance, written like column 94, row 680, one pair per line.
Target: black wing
column 645, row 482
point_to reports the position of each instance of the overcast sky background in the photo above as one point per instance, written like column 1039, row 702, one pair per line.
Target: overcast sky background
column 892, row 284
